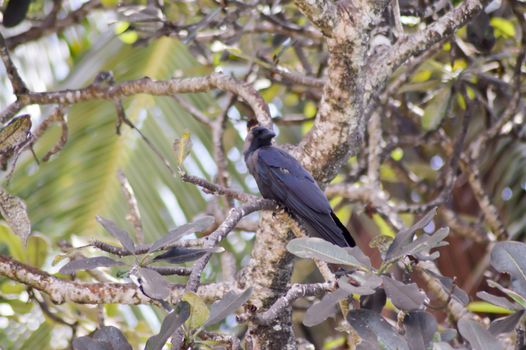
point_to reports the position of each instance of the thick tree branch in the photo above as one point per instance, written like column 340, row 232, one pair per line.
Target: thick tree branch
column 339, row 126
column 61, row 290
column 147, row 86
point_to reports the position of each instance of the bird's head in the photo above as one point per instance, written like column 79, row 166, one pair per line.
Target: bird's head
column 257, row 137
column 262, row 134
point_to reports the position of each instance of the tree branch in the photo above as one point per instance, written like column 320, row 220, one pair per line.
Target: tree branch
column 19, row 87
column 53, row 25
column 61, row 290
column 384, row 65
column 296, row 291
column 320, row 12
column 147, row 86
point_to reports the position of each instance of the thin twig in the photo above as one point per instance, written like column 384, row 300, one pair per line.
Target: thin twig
column 19, row 87
column 133, row 216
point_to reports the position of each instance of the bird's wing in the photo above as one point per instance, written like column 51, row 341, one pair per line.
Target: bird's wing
column 281, row 177
column 290, row 183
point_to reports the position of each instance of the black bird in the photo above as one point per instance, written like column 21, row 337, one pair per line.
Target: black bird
column 281, row 177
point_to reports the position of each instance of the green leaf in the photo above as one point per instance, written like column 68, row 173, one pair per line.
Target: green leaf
column 21, row 307
column 37, row 250
column 13, row 242
column 224, row 307
column 325, row 308
column 510, row 293
column 109, row 3
column 39, row 339
column 182, row 147
column 171, row 323
column 510, row 257
column 436, row 109
column 309, row 110
column 88, row 264
column 421, row 76
column 198, row 225
column 118, row 233
column 503, row 27
column 198, row 311
column 487, row 308
column 317, row 248
column 477, row 336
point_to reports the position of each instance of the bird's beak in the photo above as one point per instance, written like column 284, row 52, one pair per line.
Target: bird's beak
column 269, row 134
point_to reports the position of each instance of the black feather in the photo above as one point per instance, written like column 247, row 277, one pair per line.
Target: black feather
column 15, row 12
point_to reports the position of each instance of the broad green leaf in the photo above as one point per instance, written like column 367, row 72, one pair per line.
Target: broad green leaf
column 478, row 337
column 37, row 250
column 34, row 253
column 323, row 309
column 118, row 233
column 505, row 324
column 174, row 235
column 400, row 244
column 363, row 284
column 510, row 293
column 224, row 307
column 89, row 264
column 171, row 323
column 406, row 297
column 420, row 327
column 13, row 243
column 113, row 336
column 198, row 311
column 317, row 248
column 375, row 332
column 510, row 257
column 496, row 300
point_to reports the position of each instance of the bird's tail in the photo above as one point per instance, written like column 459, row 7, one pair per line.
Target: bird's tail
column 329, row 228
column 346, row 234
